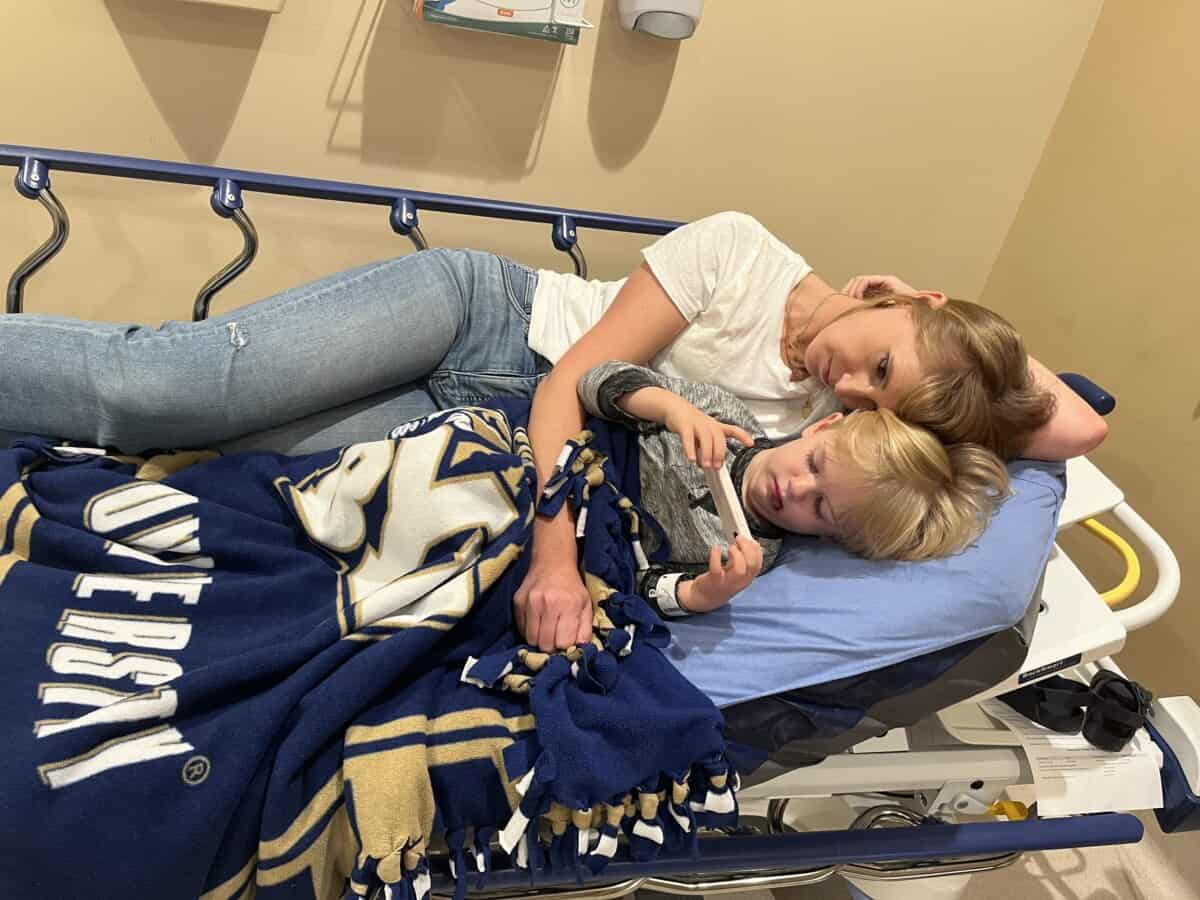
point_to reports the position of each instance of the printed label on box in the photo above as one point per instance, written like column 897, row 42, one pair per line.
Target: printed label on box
column 552, row 20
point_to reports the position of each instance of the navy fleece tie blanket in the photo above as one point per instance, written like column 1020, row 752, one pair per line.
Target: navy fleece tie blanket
column 268, row 676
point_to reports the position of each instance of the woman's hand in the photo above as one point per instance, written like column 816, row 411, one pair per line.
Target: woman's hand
column 552, row 607
column 864, row 287
column 703, row 436
column 717, row 586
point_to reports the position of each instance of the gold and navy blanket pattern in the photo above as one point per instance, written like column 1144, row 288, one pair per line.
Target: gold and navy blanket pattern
column 271, row 676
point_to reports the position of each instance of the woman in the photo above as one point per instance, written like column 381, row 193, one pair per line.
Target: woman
column 720, row 300
column 947, row 365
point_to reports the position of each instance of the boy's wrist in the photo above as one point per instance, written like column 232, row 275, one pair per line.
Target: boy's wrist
column 683, row 594
column 693, row 598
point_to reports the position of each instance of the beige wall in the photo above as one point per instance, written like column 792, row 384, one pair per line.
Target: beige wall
column 870, row 135
column 1100, row 270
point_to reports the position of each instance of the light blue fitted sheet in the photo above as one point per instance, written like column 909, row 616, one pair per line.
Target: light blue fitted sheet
column 823, row 614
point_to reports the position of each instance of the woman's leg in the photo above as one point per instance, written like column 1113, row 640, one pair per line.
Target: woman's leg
column 369, row 419
column 352, row 423
column 490, row 356
column 309, row 349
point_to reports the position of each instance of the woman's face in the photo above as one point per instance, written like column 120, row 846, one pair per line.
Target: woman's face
column 868, row 356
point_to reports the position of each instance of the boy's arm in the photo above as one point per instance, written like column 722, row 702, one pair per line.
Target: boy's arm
column 661, row 585
column 602, row 388
column 614, row 391
column 682, row 589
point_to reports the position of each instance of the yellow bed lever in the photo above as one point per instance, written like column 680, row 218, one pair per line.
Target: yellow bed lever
column 1133, row 568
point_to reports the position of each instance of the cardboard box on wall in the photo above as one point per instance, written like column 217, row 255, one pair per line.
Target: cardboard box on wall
column 559, row 21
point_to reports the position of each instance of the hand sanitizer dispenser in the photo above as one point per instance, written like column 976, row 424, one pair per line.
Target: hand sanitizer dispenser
column 671, row 19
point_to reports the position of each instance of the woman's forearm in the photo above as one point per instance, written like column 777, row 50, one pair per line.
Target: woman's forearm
column 641, row 321
column 1073, row 430
column 552, row 606
column 555, row 418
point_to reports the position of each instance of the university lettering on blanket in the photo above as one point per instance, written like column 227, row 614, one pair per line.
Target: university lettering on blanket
column 384, row 585
column 272, row 676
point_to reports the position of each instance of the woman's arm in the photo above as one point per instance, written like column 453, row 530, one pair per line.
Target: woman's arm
column 552, row 606
column 1073, row 430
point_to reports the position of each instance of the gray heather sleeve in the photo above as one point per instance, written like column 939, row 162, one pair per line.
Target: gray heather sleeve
column 601, row 388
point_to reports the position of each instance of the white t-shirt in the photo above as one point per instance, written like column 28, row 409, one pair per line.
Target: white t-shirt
column 730, row 278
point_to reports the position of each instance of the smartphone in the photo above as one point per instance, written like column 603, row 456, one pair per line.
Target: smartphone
column 733, row 520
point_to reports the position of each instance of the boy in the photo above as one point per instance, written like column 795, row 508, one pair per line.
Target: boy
column 881, row 487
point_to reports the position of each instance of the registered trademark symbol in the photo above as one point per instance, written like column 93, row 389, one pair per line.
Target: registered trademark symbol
column 195, row 770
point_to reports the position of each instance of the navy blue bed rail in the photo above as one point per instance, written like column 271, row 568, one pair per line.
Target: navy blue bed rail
column 349, row 192
column 739, row 856
column 35, row 164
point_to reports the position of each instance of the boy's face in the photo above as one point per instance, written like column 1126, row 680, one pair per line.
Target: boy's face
column 802, row 486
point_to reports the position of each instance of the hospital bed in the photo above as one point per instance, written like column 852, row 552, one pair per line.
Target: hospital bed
column 914, row 785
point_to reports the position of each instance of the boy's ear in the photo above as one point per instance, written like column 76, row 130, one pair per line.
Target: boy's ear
column 822, row 424
column 936, row 298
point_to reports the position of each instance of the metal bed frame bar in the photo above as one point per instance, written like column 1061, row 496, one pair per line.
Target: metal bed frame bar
column 779, row 860
column 34, row 165
column 349, row 192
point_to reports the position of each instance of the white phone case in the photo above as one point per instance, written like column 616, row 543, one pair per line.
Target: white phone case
column 733, row 520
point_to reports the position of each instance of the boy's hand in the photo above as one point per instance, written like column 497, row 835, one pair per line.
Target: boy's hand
column 717, row 586
column 703, row 436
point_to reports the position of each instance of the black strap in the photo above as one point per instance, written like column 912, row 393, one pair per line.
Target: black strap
column 1118, row 708
column 1057, row 703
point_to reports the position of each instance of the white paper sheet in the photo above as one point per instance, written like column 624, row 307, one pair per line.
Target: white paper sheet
column 1073, row 777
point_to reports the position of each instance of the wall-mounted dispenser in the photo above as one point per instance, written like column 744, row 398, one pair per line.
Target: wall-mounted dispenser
column 671, row 19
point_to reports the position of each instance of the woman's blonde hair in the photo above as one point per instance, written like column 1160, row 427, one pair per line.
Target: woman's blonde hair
column 977, row 388
column 915, row 498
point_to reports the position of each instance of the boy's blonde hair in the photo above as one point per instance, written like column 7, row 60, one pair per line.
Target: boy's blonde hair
column 916, row 498
column 978, row 389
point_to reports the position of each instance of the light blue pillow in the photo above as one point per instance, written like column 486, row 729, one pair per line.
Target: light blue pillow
column 823, row 614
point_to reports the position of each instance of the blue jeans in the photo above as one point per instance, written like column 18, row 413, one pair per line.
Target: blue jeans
column 330, row 363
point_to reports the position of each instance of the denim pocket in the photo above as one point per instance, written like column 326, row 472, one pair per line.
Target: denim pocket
column 450, row 388
column 519, row 284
